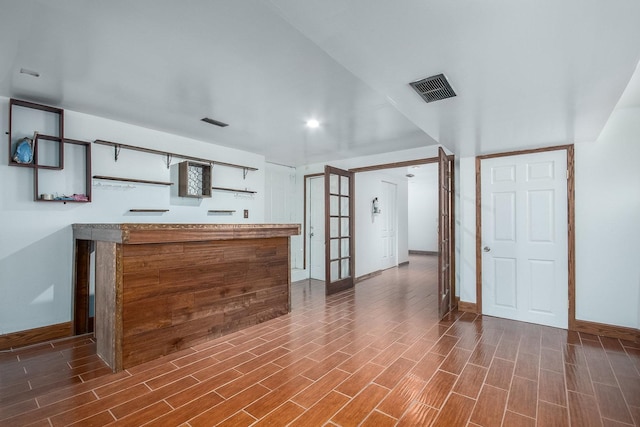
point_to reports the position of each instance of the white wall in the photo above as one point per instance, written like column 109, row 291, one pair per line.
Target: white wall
column 608, row 223
column 368, row 226
column 466, row 221
column 423, row 209
column 378, row 159
column 607, row 201
column 280, row 200
column 36, row 238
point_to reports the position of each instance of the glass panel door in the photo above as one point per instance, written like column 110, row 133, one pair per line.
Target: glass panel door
column 445, row 233
column 339, row 229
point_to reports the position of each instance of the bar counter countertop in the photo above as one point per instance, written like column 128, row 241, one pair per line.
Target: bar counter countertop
column 161, row 288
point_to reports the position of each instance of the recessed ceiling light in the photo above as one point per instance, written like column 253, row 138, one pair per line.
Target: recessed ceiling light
column 313, row 123
column 29, row 72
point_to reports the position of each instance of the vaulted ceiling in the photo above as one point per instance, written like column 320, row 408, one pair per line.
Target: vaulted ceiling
column 527, row 73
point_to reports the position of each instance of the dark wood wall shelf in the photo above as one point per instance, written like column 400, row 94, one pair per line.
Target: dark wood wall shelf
column 87, row 173
column 141, row 181
column 194, row 180
column 55, row 119
column 233, row 190
column 221, row 211
column 149, row 210
column 65, row 201
column 118, row 146
column 46, row 125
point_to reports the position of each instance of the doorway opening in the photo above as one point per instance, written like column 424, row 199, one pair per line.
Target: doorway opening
column 386, row 235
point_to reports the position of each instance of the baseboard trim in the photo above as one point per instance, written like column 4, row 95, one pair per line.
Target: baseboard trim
column 603, row 329
column 415, row 252
column 402, row 264
column 367, row 276
column 34, row 336
column 468, row 307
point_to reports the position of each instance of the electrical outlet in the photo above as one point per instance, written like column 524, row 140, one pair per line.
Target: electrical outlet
column 246, row 213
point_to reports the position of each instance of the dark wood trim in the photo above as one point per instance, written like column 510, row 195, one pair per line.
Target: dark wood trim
column 352, row 224
column 416, row 252
column 478, row 236
column 571, row 216
column 570, row 225
column 395, row 165
column 452, row 231
column 36, row 335
column 602, row 329
column 521, row 152
column 402, row 264
column 149, row 210
column 369, row 275
column 468, row 307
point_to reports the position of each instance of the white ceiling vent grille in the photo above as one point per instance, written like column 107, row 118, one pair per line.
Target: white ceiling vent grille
column 433, row 88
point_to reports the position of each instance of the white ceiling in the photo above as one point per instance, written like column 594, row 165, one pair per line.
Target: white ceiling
column 527, row 73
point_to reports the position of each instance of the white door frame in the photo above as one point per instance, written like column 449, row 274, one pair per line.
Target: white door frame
column 305, row 233
column 390, row 208
column 315, row 236
column 570, row 219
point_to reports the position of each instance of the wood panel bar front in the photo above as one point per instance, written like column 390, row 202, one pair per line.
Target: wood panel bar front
column 161, row 288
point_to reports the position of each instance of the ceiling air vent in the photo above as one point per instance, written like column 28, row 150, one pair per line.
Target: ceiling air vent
column 214, row 122
column 433, row 88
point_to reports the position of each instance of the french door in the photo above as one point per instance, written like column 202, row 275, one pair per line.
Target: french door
column 339, row 226
column 445, row 233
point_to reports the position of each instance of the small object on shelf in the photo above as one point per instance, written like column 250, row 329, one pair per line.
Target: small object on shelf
column 194, row 180
column 79, row 198
column 141, row 181
column 24, row 150
column 21, row 123
column 148, row 210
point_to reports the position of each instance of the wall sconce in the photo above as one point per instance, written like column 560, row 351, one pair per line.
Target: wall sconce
column 375, row 206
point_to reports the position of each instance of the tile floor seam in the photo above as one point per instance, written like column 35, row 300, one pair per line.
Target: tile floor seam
column 624, row 397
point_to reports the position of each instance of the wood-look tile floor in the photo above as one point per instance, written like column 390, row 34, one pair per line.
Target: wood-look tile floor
column 373, row 356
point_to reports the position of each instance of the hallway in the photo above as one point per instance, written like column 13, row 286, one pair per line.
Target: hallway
column 373, row 356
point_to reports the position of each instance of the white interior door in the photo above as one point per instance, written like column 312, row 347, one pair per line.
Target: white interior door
column 388, row 229
column 316, row 228
column 525, row 237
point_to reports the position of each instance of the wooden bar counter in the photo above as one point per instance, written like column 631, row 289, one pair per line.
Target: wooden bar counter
column 161, row 288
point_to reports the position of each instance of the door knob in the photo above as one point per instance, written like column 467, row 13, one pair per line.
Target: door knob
column 486, row 249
